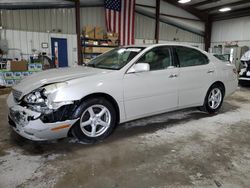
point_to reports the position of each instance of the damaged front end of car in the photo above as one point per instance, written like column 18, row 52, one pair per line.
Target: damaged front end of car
column 39, row 116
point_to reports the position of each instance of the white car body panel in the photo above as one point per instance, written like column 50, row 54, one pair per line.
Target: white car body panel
column 147, row 95
column 136, row 94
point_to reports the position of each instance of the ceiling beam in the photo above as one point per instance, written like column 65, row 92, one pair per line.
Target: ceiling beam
column 232, row 14
column 227, row 5
column 201, row 15
column 179, row 17
column 145, row 6
column 204, row 3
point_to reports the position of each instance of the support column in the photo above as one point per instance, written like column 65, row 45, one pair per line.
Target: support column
column 78, row 32
column 208, row 32
column 157, row 20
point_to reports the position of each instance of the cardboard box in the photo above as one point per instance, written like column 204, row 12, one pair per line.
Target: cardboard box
column 9, row 83
column 110, row 35
column 32, row 67
column 99, row 33
column 17, row 65
column 8, row 75
column 96, row 50
column 39, row 67
column 88, row 50
column 89, row 31
column 85, row 60
column 25, row 74
column 17, row 75
column 103, row 50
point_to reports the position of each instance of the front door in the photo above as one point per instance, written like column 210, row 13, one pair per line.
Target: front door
column 59, row 52
column 155, row 91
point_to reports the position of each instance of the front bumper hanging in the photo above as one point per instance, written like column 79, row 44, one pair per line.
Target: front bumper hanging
column 28, row 124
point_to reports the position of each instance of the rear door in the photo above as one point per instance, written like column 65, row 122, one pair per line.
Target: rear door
column 195, row 77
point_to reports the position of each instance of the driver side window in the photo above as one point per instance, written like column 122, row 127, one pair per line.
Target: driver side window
column 158, row 58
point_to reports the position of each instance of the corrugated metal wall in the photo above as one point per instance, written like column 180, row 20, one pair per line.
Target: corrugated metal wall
column 93, row 16
column 237, row 29
column 51, row 20
column 40, row 20
column 144, row 29
column 169, row 32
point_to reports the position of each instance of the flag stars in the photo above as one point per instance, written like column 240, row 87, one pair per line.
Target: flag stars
column 113, row 5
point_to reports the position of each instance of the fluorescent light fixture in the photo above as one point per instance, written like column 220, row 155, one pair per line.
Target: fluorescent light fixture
column 225, row 9
column 183, row 1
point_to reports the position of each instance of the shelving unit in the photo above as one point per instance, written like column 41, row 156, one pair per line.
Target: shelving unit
column 92, row 47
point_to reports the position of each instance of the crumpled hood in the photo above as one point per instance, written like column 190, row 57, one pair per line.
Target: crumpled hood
column 55, row 75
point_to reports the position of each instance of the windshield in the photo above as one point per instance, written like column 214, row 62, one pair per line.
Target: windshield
column 115, row 59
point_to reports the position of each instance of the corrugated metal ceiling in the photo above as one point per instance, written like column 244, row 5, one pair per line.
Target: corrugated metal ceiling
column 15, row 4
column 205, row 5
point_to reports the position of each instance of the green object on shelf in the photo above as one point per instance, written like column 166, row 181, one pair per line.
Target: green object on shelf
column 4, row 70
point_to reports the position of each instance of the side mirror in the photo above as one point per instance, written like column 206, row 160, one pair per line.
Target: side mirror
column 139, row 67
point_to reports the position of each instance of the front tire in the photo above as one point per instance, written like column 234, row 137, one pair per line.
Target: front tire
column 214, row 99
column 97, row 120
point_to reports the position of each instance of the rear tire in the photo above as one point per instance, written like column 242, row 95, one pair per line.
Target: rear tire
column 214, row 99
column 97, row 120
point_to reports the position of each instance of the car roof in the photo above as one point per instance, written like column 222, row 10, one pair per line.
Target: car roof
column 161, row 44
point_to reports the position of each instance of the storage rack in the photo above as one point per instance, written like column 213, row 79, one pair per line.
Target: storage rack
column 97, row 43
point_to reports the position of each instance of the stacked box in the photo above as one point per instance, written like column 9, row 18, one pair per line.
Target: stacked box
column 99, row 33
column 89, row 31
column 39, row 67
column 17, row 75
column 9, row 83
column 88, row 49
column 8, row 75
column 25, row 74
column 16, row 65
column 32, row 67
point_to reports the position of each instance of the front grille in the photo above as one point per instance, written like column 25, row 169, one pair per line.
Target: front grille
column 17, row 94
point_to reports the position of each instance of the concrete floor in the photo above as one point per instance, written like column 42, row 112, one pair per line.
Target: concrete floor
column 179, row 149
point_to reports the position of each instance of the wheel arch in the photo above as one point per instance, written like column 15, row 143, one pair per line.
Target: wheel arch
column 108, row 98
column 100, row 95
column 220, row 84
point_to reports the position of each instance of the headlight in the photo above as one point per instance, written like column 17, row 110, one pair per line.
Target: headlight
column 36, row 97
column 40, row 101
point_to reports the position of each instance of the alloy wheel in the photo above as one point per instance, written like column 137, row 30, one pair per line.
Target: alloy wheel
column 95, row 120
column 214, row 98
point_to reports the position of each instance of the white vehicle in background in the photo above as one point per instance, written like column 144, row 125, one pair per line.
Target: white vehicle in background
column 244, row 75
column 121, row 85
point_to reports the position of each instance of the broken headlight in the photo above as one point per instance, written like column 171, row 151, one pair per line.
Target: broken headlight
column 40, row 99
column 36, row 97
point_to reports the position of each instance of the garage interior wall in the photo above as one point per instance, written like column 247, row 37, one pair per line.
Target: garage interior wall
column 26, row 30
column 144, row 32
column 231, row 31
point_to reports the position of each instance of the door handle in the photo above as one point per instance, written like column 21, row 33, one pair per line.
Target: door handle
column 210, row 71
column 173, row 76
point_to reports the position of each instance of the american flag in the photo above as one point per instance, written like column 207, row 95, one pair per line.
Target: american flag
column 119, row 16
